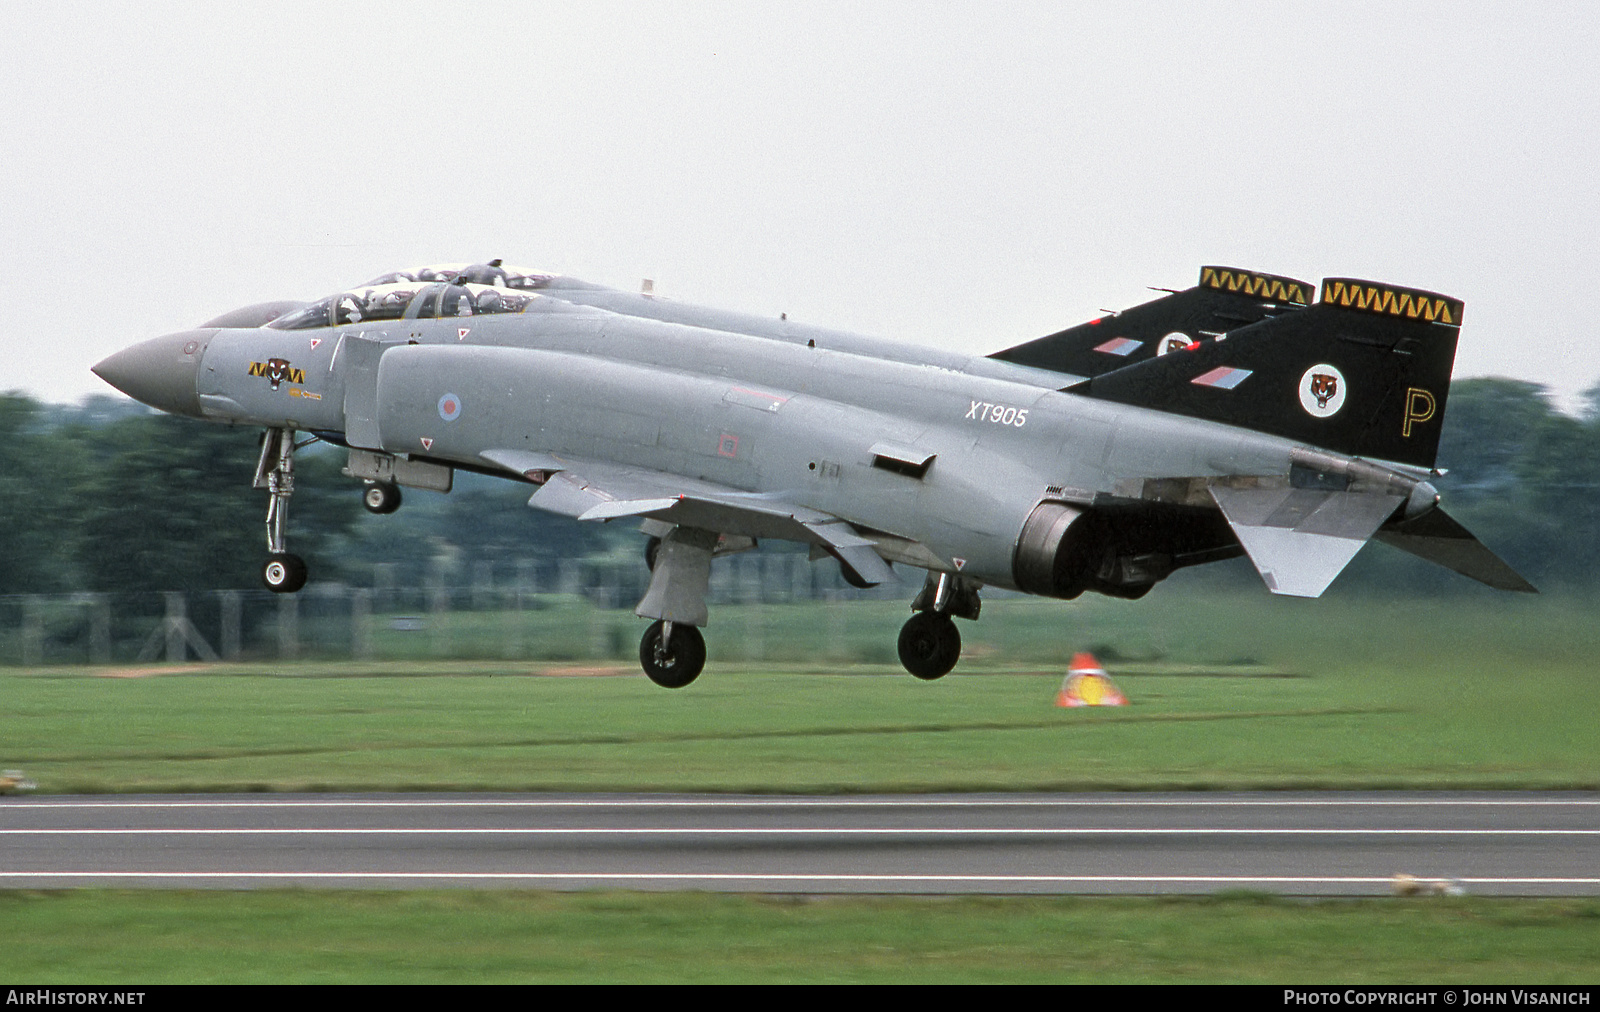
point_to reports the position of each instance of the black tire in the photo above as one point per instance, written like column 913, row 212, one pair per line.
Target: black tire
column 284, row 574
column 683, row 660
column 652, row 548
column 930, row 645
column 381, row 498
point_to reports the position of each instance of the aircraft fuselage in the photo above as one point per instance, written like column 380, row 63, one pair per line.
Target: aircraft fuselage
column 746, row 412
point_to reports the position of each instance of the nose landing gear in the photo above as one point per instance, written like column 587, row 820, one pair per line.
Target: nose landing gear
column 283, row 573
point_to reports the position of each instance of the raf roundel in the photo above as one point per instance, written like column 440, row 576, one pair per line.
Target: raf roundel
column 1322, row 391
column 1175, row 341
column 449, row 407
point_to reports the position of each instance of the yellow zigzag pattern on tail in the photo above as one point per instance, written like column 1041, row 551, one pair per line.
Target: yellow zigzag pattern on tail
column 1263, row 286
column 1402, row 302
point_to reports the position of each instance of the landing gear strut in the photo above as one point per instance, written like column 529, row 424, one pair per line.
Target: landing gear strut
column 930, row 644
column 672, row 653
column 284, row 573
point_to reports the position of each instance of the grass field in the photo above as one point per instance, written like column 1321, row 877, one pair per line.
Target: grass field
column 102, row 936
column 1247, row 692
column 1228, row 692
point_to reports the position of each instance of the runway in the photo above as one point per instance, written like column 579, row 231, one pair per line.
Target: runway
column 1530, row 844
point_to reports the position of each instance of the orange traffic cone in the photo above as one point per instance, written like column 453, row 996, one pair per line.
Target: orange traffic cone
column 1087, row 684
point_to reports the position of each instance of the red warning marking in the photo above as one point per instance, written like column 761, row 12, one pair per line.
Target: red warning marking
column 427, row 442
column 314, row 342
column 462, row 332
column 728, row 446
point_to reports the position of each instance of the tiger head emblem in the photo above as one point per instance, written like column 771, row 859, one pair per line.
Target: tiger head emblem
column 1323, row 388
column 277, row 371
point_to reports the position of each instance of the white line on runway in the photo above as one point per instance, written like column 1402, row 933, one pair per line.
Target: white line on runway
column 44, row 804
column 753, row 877
column 781, row 831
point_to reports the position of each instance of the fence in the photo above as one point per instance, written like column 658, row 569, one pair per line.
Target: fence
column 531, row 609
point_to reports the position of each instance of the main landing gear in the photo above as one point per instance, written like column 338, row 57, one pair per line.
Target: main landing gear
column 283, row 573
column 930, row 643
column 672, row 654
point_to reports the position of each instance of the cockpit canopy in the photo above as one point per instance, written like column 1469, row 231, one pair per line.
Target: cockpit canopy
column 495, row 273
column 412, row 299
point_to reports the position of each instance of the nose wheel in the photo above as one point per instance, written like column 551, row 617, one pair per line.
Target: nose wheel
column 283, row 573
column 672, row 654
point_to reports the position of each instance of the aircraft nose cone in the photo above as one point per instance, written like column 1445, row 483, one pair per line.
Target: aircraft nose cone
column 160, row 372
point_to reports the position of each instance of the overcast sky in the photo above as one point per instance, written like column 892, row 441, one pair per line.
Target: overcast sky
column 969, row 176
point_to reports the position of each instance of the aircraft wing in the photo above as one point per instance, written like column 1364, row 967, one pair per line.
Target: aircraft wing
column 599, row 490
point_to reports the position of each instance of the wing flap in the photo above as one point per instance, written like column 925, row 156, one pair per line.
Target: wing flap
column 741, row 515
column 596, row 491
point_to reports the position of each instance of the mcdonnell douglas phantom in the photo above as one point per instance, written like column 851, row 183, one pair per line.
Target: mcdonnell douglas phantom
column 1238, row 416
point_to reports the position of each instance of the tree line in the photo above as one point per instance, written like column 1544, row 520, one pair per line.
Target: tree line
column 107, row 496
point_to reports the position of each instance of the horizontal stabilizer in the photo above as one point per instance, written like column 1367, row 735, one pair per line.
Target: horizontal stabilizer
column 1300, row 539
column 1437, row 537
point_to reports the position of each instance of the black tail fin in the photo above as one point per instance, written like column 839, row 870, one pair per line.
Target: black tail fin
column 1225, row 299
column 1364, row 372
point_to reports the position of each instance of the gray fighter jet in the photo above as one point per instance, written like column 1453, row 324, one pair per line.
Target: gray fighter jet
column 1239, row 416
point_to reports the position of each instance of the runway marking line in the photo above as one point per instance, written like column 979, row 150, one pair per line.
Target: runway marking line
column 779, row 831
column 1385, row 880
column 43, row 804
